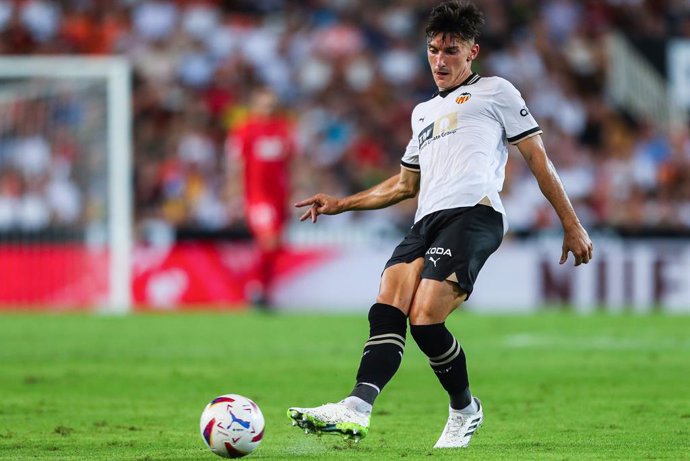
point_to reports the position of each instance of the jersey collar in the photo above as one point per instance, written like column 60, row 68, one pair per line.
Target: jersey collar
column 468, row 81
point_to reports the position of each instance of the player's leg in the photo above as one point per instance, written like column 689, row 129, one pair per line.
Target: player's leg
column 269, row 245
column 435, row 300
column 380, row 359
column 383, row 350
column 464, row 241
column 266, row 224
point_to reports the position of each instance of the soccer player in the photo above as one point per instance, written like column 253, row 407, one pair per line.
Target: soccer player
column 260, row 151
column 456, row 162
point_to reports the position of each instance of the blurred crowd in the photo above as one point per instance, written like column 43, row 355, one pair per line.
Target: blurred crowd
column 348, row 73
column 52, row 155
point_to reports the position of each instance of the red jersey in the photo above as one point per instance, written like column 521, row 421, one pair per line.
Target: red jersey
column 265, row 146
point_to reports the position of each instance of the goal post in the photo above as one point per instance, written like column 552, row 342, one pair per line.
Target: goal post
column 106, row 84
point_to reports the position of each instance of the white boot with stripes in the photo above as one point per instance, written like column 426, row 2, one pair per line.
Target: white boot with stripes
column 460, row 427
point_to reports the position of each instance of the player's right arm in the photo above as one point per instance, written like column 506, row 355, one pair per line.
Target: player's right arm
column 389, row 192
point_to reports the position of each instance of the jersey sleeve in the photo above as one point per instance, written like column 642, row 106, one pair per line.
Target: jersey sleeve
column 410, row 158
column 512, row 113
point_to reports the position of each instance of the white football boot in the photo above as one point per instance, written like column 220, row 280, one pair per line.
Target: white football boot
column 331, row 418
column 460, row 427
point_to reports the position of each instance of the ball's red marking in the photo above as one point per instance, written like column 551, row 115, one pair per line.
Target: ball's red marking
column 258, row 436
column 208, row 430
column 221, row 400
column 234, row 452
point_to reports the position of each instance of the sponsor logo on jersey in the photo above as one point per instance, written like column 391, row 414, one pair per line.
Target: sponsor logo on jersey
column 443, row 126
column 439, row 251
column 425, row 135
column 463, row 98
column 524, row 112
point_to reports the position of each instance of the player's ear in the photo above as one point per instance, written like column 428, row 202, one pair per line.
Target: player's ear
column 474, row 52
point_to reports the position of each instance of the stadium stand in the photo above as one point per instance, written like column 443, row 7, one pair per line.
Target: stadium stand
column 350, row 71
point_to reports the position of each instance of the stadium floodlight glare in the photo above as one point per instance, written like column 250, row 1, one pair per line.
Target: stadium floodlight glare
column 100, row 93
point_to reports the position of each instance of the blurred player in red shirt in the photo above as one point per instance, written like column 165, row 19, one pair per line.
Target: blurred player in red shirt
column 260, row 151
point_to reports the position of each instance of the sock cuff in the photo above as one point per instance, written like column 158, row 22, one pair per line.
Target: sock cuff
column 436, row 331
column 387, row 319
column 431, row 326
column 389, row 311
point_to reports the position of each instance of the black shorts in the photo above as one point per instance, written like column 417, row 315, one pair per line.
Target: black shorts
column 455, row 241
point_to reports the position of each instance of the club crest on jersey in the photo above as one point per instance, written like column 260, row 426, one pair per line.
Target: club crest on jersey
column 439, row 251
column 463, row 98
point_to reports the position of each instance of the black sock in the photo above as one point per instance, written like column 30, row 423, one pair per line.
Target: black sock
column 383, row 351
column 447, row 359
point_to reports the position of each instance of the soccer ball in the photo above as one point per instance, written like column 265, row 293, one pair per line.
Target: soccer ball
column 232, row 426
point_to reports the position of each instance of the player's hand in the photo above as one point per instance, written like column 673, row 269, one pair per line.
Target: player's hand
column 577, row 241
column 319, row 204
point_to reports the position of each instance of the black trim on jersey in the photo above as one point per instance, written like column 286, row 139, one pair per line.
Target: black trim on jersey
column 410, row 166
column 524, row 134
column 471, row 80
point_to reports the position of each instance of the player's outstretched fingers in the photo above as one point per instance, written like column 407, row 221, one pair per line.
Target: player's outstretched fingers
column 306, row 202
column 305, row 215
column 311, row 202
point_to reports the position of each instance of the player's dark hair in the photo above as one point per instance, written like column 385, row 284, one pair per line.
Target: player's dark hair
column 458, row 18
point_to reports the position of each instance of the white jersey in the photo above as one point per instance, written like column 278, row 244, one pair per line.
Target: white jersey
column 460, row 143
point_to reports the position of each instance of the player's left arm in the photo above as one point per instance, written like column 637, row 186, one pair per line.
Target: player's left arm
column 575, row 237
column 234, row 176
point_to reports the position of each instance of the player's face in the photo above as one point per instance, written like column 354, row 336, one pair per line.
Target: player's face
column 450, row 59
column 264, row 103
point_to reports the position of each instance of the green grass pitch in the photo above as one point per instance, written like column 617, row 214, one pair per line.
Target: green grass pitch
column 554, row 386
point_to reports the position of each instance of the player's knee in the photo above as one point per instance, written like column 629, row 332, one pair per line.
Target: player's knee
column 434, row 301
column 399, row 299
column 422, row 316
column 399, row 283
column 395, row 294
column 428, row 310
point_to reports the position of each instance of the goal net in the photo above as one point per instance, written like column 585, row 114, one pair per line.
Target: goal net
column 65, row 188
